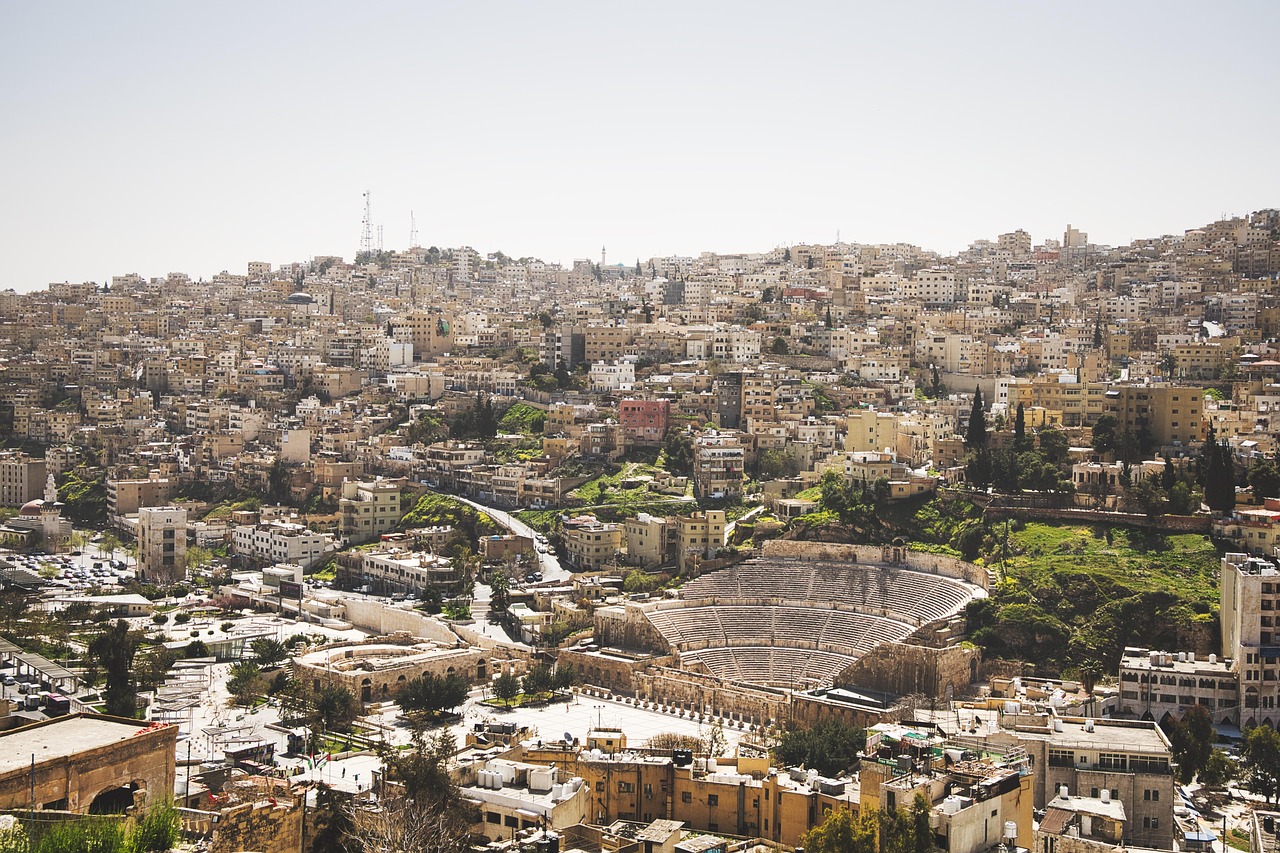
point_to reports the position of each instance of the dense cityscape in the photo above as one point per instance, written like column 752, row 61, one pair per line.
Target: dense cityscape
column 842, row 547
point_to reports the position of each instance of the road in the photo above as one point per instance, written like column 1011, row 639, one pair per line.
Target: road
column 749, row 514
column 548, row 563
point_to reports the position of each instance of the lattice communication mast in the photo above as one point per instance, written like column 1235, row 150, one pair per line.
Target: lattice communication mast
column 366, row 235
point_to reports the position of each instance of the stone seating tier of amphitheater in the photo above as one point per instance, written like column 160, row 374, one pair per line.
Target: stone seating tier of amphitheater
column 773, row 666
column 911, row 596
column 796, row 622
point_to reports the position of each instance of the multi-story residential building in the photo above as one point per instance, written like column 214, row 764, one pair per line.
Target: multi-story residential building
column 281, row 542
column 1129, row 759
column 162, row 543
column 607, row 377
column 430, row 332
column 699, row 536
column 646, row 538
column 126, row 497
column 22, row 478
column 367, row 510
column 1249, row 614
column 1172, row 413
column 718, row 463
column 867, row 430
column 1156, row 685
column 645, row 421
column 404, row 572
column 589, row 543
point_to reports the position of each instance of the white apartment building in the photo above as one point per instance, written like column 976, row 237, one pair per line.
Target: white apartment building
column 281, row 542
column 607, row 377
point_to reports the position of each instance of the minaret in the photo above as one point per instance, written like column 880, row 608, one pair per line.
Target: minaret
column 602, row 263
column 51, row 517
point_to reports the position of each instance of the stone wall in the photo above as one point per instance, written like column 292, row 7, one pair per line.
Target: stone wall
column 890, row 555
column 1168, row 523
column 699, row 693
column 627, row 627
column 385, row 677
column 904, row 669
column 261, row 827
column 615, row 672
column 384, row 618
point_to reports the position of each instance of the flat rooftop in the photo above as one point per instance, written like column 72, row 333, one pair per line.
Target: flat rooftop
column 60, row 738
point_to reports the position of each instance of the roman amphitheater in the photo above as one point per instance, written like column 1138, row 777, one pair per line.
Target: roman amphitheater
column 825, row 620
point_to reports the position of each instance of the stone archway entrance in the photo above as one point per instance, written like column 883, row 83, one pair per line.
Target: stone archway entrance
column 114, row 800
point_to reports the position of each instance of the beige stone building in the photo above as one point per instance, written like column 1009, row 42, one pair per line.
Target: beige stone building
column 162, row 543
column 589, row 543
column 22, row 478
column 375, row 670
column 367, row 510
column 699, row 536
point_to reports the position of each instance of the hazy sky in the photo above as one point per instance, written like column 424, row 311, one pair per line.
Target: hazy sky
column 153, row 137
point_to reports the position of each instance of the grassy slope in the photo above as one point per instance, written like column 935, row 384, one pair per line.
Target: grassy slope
column 1067, row 595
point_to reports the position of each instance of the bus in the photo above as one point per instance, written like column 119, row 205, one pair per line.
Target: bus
column 55, row 704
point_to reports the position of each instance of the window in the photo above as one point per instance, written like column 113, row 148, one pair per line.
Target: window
column 686, row 797
column 713, row 800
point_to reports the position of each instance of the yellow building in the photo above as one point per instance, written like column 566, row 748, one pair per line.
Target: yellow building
column 589, row 543
column 1172, row 413
column 699, row 536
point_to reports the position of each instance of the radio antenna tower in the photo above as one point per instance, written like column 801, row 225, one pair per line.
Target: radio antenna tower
column 413, row 231
column 366, row 234
column 379, row 239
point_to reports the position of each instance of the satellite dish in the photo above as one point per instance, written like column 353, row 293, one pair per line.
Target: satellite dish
column 568, row 738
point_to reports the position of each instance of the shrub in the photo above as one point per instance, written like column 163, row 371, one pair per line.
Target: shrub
column 157, row 830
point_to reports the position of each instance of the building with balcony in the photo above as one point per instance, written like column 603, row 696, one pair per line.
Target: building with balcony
column 718, row 461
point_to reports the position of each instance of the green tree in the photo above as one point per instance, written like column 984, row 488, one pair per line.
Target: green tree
column 1262, row 761
column 1054, row 445
column 1220, row 480
column 780, row 346
column 844, row 832
column 506, row 687
column 829, row 746
column 269, row 652
column 1146, row 497
column 1105, row 430
column 638, row 581
column 677, row 451
column 430, row 694
column 246, row 682
column 978, row 468
column 1264, row 478
column 1020, row 430
column 975, row 436
column 565, row 676
column 114, row 650
column 431, row 817
column 500, row 587
column 1193, row 743
column 334, row 708
column 197, row 558
column 539, row 679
